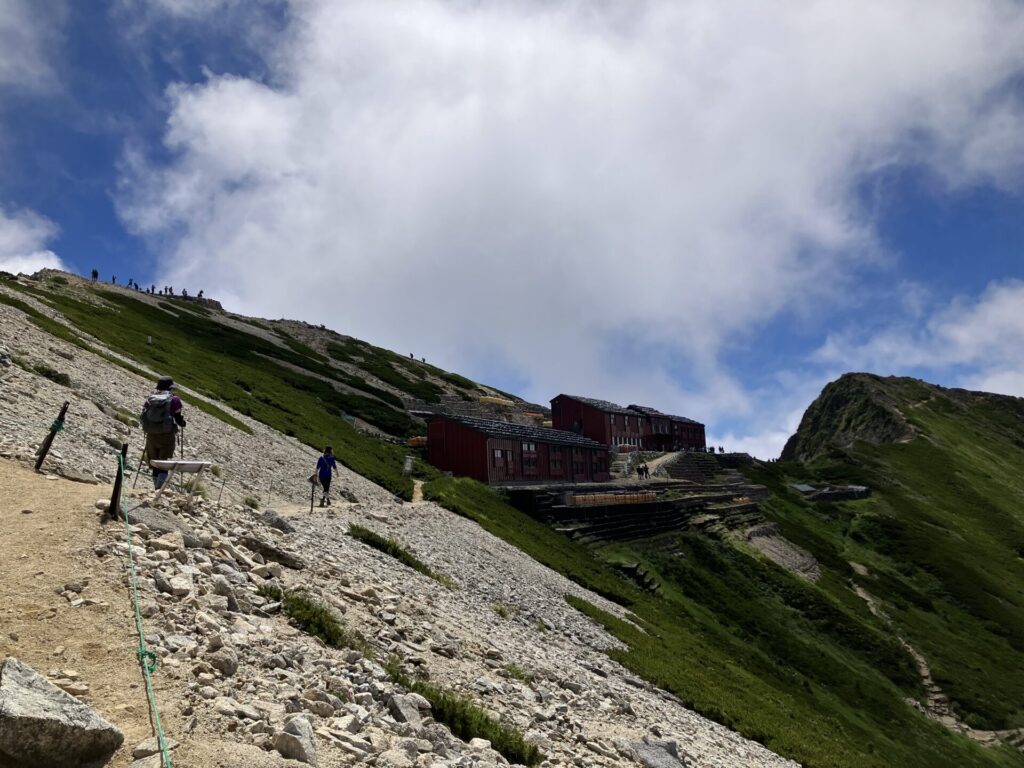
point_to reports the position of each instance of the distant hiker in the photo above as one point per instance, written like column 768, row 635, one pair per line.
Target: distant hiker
column 200, row 293
column 161, row 417
column 326, row 466
column 95, row 274
column 639, row 472
column 152, row 288
column 184, row 293
column 113, row 280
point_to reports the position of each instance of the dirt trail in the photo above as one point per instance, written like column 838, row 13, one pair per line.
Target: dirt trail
column 42, row 551
column 937, row 705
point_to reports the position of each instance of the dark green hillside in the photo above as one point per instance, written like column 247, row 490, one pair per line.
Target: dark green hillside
column 942, row 538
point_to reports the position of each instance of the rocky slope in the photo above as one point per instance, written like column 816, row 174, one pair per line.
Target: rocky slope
column 855, row 407
column 234, row 671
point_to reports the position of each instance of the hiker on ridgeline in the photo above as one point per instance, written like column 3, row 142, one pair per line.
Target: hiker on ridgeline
column 161, row 417
column 95, row 274
column 326, row 467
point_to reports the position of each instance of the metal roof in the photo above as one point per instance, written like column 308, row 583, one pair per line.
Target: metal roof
column 505, row 429
column 648, row 411
column 603, row 405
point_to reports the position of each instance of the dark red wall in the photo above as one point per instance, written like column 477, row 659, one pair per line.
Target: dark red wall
column 463, row 451
column 457, row 449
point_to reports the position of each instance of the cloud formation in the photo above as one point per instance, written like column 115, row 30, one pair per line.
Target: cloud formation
column 23, row 239
column 29, row 36
column 593, row 198
column 979, row 338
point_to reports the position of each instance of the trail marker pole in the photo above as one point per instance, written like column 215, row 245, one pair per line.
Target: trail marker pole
column 56, row 427
column 114, row 510
column 312, row 494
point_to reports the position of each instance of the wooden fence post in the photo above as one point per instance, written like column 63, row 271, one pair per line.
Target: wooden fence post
column 114, row 510
column 56, row 427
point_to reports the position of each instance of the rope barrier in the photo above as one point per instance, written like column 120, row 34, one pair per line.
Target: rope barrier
column 147, row 659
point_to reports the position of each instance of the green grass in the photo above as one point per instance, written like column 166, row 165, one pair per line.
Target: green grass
column 401, row 554
column 52, row 374
column 466, row 720
column 518, row 673
column 316, row 619
column 503, row 610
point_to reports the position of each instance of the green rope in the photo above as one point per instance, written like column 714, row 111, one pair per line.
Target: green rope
column 147, row 659
column 57, row 426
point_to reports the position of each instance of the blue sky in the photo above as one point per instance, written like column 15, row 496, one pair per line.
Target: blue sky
column 712, row 208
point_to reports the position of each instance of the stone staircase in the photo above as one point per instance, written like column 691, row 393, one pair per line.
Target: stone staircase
column 696, row 467
column 619, row 468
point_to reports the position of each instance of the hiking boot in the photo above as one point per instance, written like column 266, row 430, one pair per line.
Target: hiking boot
column 328, row 502
column 323, row 503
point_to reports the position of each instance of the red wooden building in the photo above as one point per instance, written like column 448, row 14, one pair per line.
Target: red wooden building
column 636, row 426
column 499, row 453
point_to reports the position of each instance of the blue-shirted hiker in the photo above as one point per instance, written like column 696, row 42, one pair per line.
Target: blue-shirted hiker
column 326, row 466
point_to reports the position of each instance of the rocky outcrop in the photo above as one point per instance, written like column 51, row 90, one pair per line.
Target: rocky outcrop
column 857, row 407
column 42, row 725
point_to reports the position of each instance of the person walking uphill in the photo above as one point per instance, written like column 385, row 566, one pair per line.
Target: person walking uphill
column 326, row 466
column 161, row 417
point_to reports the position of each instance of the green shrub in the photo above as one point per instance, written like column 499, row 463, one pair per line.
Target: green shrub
column 503, row 610
column 52, row 374
column 316, row 619
column 517, row 672
column 466, row 720
column 397, row 551
column 251, row 501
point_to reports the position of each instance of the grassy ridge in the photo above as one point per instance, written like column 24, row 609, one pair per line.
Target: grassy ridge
column 942, row 538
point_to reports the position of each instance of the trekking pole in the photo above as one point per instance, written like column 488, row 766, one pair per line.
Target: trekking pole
column 56, row 427
column 138, row 469
column 312, row 495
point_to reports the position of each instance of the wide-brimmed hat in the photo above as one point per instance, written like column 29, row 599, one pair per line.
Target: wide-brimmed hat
column 165, row 383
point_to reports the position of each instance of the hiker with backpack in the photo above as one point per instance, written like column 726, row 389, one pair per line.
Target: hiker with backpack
column 326, row 466
column 161, row 417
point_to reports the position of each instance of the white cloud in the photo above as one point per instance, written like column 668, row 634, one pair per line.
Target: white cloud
column 23, row 239
column 29, row 35
column 546, row 186
column 980, row 339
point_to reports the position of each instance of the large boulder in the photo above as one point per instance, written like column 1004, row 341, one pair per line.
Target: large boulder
column 271, row 551
column 658, row 754
column 161, row 521
column 42, row 725
column 296, row 741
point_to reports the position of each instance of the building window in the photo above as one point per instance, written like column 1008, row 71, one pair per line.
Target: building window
column 530, row 447
column 612, row 418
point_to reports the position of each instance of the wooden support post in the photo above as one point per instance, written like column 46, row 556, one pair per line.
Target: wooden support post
column 114, row 510
column 56, row 427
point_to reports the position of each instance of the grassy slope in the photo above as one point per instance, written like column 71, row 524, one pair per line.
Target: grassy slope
column 942, row 537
